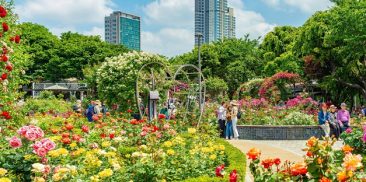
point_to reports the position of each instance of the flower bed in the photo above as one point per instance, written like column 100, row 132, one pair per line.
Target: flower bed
column 321, row 163
column 68, row 148
column 296, row 111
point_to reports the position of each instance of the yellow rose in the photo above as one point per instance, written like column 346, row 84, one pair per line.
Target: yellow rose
column 64, row 170
column 192, row 130
column 168, row 144
column 27, row 157
column 213, row 157
column 105, row 173
column 94, row 178
column 39, row 179
column 73, row 145
column 57, row 177
column 5, row 180
column 3, row 171
column 106, row 144
column 170, row 152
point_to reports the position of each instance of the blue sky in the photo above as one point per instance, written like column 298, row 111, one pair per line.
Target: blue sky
column 167, row 25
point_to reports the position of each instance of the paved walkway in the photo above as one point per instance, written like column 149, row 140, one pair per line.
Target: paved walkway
column 290, row 150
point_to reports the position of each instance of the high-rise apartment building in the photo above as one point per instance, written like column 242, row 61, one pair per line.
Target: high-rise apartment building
column 214, row 20
column 123, row 28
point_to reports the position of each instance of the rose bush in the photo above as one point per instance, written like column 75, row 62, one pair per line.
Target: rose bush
column 321, row 163
column 66, row 147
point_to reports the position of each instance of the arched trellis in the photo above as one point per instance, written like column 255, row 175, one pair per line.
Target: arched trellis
column 163, row 67
column 201, row 85
column 270, row 81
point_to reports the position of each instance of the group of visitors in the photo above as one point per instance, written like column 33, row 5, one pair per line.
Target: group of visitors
column 228, row 115
column 94, row 108
column 334, row 122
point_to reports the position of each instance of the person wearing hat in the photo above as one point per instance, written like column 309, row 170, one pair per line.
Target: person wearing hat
column 323, row 118
column 343, row 117
column 234, row 118
column 97, row 107
column 335, row 128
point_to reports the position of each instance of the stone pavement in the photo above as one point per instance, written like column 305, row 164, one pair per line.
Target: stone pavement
column 290, row 150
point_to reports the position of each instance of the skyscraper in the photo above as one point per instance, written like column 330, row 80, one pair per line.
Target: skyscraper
column 123, row 28
column 214, row 20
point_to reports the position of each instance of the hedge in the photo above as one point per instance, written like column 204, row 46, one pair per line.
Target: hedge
column 236, row 160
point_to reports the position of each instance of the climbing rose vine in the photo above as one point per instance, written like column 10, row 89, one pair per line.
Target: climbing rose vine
column 270, row 81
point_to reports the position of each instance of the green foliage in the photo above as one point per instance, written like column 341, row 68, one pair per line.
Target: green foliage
column 116, row 78
column 233, row 60
column 354, row 139
column 46, row 105
column 215, row 86
column 298, row 118
column 249, row 88
column 56, row 58
column 235, row 160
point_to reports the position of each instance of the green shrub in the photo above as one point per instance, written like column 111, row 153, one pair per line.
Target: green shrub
column 45, row 105
column 235, row 160
column 298, row 118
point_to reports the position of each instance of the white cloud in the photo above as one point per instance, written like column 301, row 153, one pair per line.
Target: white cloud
column 175, row 18
column 65, row 11
column 67, row 15
column 96, row 31
column 307, row 6
column 168, row 41
column 249, row 22
column 177, row 13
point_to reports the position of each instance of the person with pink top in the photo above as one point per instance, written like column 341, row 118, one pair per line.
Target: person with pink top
column 344, row 117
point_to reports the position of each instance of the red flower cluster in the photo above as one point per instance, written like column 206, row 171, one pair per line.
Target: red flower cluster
column 220, row 170
column 233, row 176
column 270, row 81
column 6, row 115
column 3, row 12
column 136, row 122
column 270, row 162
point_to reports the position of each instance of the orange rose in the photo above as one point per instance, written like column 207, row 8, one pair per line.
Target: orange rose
column 342, row 176
column 311, row 142
column 320, row 160
column 267, row 163
column 352, row 162
column 299, row 169
column 253, row 153
column 325, row 179
column 309, row 154
column 347, row 149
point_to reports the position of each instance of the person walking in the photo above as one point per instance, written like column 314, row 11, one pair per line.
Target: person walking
column 221, row 116
column 343, row 117
column 335, row 128
column 229, row 124
column 234, row 117
column 323, row 119
column 90, row 111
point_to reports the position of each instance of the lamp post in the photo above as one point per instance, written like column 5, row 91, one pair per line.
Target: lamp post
column 199, row 37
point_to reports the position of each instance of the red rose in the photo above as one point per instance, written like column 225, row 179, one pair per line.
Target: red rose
column 155, row 128
column 233, row 176
column 5, row 27
column 85, row 128
column 76, row 137
column 103, row 135
column 111, row 136
column 219, row 170
column 4, row 58
column 66, row 140
column 95, row 117
column 69, row 126
column 129, row 110
column 277, row 161
column 17, row 39
column 65, row 135
column 161, row 116
column 9, row 67
column 12, row 39
column 2, row 12
column 4, row 76
column 5, row 50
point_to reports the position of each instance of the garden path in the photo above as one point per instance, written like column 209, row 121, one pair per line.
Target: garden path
column 290, row 150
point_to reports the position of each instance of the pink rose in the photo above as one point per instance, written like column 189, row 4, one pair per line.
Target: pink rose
column 15, row 142
column 143, row 133
column 22, row 130
column 37, row 145
column 41, row 152
column 48, row 144
column 166, row 126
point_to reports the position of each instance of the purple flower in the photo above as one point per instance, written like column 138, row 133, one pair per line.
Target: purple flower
column 349, row 130
column 364, row 137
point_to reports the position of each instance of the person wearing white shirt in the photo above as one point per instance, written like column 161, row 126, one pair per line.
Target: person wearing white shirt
column 221, row 116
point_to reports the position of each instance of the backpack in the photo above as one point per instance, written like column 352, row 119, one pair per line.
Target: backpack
column 239, row 115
